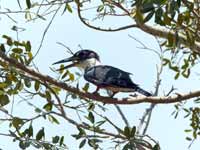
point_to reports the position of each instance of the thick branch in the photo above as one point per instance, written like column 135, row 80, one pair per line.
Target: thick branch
column 108, row 100
column 164, row 33
column 155, row 31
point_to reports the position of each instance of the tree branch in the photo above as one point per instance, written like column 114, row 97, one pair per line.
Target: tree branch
column 155, row 31
column 108, row 100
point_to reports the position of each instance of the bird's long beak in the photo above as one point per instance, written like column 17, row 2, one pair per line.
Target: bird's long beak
column 73, row 58
column 75, row 62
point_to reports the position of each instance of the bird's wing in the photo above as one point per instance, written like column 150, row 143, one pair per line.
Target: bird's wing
column 109, row 76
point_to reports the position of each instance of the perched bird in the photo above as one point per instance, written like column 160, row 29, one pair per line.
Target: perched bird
column 103, row 76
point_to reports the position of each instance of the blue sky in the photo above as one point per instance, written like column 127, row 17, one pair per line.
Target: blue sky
column 116, row 49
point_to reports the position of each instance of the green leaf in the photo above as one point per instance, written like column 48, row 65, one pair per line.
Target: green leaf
column 92, row 143
column 65, row 74
column 28, row 46
column 148, row 17
column 17, row 122
column 147, row 7
column 2, row 48
column 48, row 95
column 28, row 4
column 3, row 85
column 22, row 144
column 188, row 138
column 37, row 110
column 9, row 40
column 165, row 61
column 188, row 130
column 2, row 92
column 55, row 139
column 61, row 141
column 27, row 82
column 81, row 132
column 156, row 147
column 174, row 68
column 37, row 85
column 30, row 131
column 4, row 100
column 127, row 131
column 82, row 143
column 48, row 107
column 53, row 119
column 71, row 77
column 100, row 8
column 177, row 75
column 133, row 131
column 126, row 147
column 91, row 106
column 86, row 87
column 186, row 73
column 40, row 134
column 167, row 20
column 68, row 7
column 17, row 43
column 158, row 16
column 91, row 117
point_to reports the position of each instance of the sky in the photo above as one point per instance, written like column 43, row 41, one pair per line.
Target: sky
column 116, row 49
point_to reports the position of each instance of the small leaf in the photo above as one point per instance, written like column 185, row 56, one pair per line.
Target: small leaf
column 188, row 138
column 22, row 144
column 133, row 131
column 37, row 85
column 68, row 7
column 147, row 7
column 17, row 122
column 2, row 48
column 127, row 132
column 48, row 95
column 55, row 139
column 86, row 87
column 177, row 75
column 40, row 134
column 28, row 3
column 188, row 130
column 48, row 107
column 27, row 82
column 71, row 77
column 9, row 40
column 91, row 106
column 100, row 8
column 82, row 143
column 65, row 74
column 4, row 100
column 81, row 131
column 30, row 131
column 148, row 17
column 61, row 141
column 91, row 117
column 156, row 147
column 53, row 119
column 28, row 46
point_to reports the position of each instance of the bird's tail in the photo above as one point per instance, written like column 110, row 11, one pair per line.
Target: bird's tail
column 143, row 92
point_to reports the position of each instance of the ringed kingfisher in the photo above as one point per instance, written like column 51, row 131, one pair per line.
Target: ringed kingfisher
column 103, row 76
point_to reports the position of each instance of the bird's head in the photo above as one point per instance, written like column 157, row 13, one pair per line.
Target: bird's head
column 82, row 59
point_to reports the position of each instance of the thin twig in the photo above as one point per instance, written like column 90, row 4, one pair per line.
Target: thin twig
column 122, row 115
column 45, row 31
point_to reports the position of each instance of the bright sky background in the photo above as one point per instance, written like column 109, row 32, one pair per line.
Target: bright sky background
column 116, row 49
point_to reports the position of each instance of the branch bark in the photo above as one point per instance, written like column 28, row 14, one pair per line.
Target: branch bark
column 152, row 30
column 108, row 100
